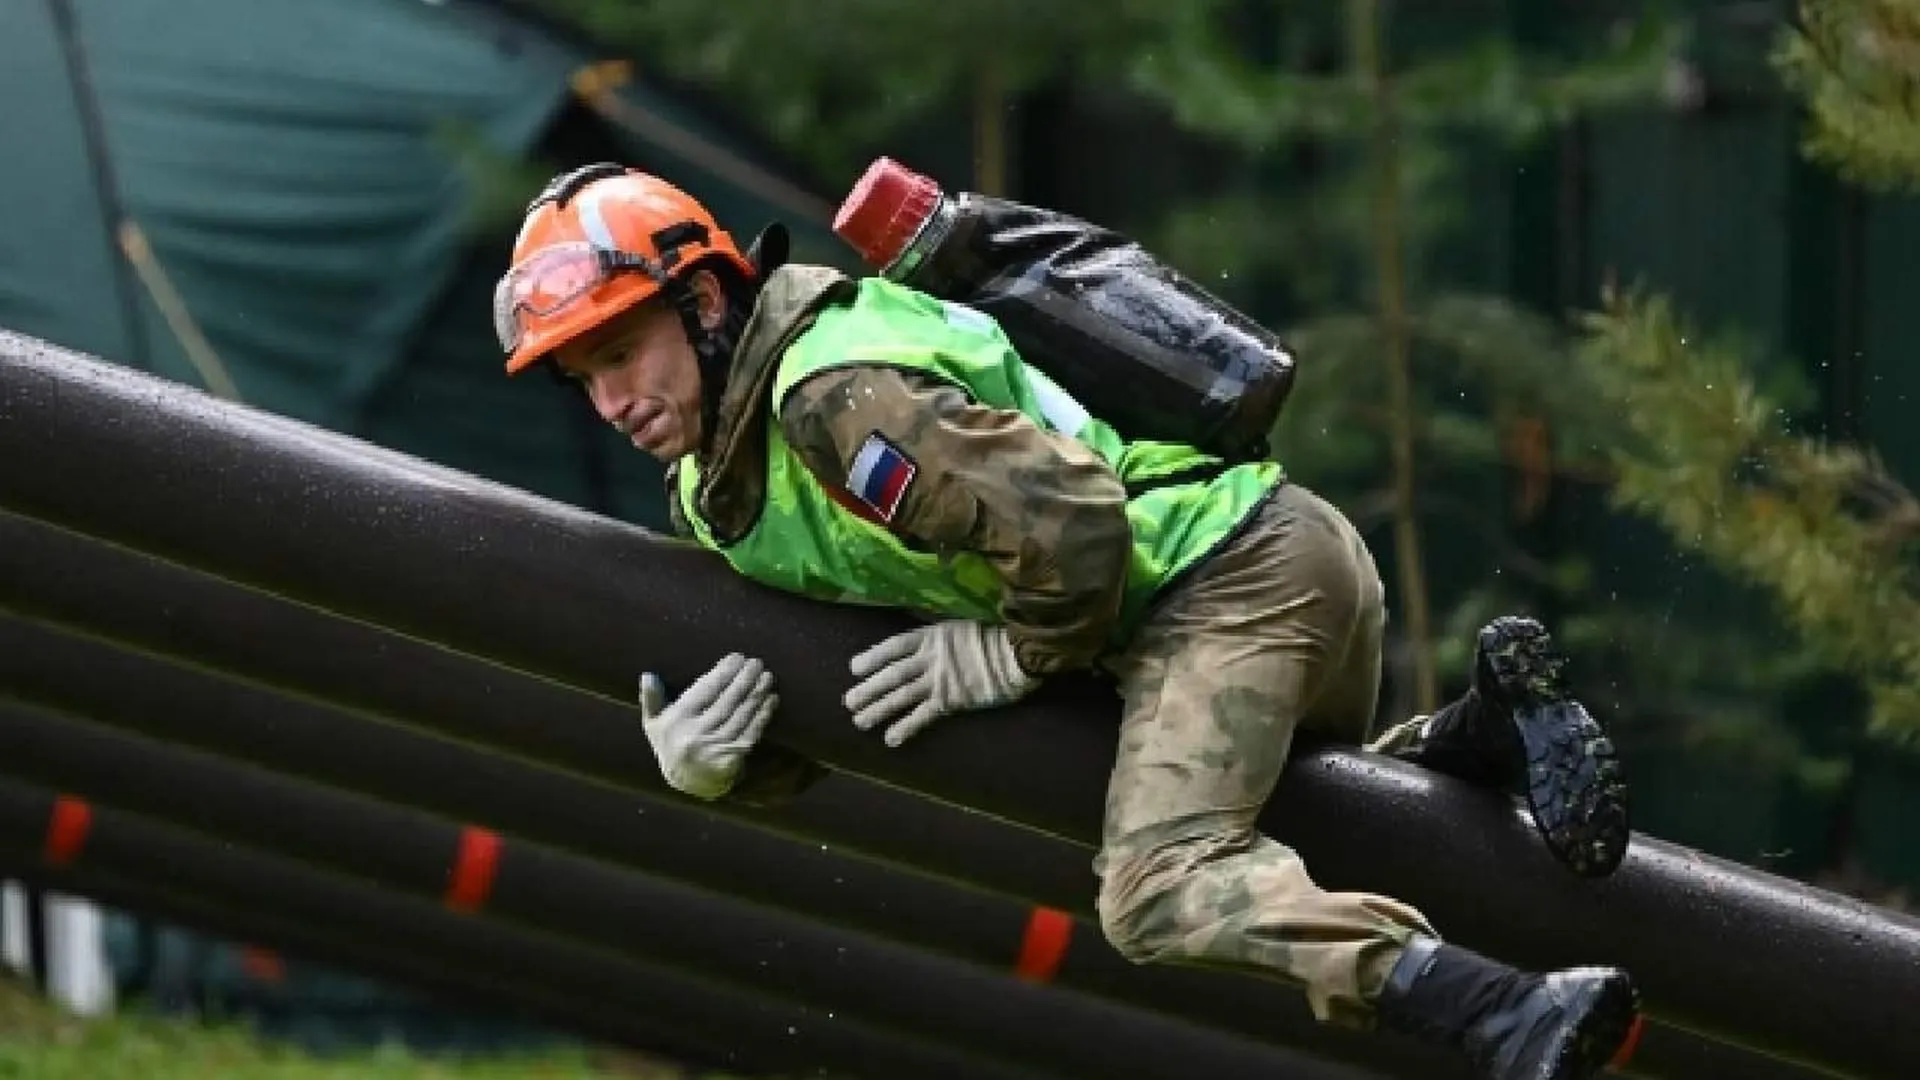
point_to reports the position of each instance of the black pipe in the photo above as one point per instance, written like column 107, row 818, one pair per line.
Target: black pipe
column 176, row 609
column 731, row 939
column 487, row 569
column 192, row 617
column 65, row 842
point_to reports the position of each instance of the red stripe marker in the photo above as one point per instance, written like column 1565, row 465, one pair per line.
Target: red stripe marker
column 67, row 829
column 1044, row 946
column 1629, row 1044
column 474, row 865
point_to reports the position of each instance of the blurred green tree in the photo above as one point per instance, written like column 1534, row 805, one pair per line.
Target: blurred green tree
column 1710, row 454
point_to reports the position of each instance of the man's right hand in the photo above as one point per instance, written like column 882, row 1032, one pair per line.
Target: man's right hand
column 702, row 738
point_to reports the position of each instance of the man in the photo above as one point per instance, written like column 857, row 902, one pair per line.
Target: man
column 859, row 440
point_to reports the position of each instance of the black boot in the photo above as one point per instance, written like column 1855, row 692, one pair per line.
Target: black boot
column 1518, row 729
column 1513, row 1025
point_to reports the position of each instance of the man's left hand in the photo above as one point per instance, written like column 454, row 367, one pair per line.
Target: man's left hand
column 915, row 678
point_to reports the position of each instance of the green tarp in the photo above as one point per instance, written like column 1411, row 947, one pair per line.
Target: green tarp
column 294, row 167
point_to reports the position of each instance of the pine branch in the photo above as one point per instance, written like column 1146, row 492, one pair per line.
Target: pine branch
column 1857, row 64
column 1711, row 459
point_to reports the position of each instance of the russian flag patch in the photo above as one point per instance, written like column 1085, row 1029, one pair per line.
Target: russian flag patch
column 880, row 475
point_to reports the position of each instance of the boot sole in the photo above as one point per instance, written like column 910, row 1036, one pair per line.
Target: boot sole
column 1574, row 783
column 1603, row 1031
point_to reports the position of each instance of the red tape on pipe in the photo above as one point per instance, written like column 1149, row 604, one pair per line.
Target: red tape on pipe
column 474, row 867
column 67, row 828
column 1044, row 946
column 1629, row 1044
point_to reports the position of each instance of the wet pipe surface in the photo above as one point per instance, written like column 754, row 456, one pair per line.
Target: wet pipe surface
column 553, row 590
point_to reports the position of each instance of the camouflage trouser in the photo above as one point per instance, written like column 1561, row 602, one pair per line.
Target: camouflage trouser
column 1277, row 631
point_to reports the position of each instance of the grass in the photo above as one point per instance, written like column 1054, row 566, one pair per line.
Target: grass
column 41, row 1041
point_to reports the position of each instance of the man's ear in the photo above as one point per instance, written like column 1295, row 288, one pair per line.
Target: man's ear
column 710, row 300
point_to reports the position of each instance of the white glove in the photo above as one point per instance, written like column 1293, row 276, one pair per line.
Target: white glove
column 931, row 671
column 702, row 738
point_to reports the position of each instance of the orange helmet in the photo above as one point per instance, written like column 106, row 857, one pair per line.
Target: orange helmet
column 595, row 242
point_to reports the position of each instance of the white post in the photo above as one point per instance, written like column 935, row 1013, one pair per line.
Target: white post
column 14, row 945
column 78, row 974
column 77, row 970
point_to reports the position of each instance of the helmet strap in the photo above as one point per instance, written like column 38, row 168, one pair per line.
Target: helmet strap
column 712, row 349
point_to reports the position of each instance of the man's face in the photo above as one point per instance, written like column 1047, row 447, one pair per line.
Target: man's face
column 642, row 376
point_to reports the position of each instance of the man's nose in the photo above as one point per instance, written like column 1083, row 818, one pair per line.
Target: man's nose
column 607, row 399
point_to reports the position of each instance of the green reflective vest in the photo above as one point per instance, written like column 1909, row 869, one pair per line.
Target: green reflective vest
column 806, row 542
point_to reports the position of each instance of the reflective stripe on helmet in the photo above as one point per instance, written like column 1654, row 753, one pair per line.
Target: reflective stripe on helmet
column 593, row 222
